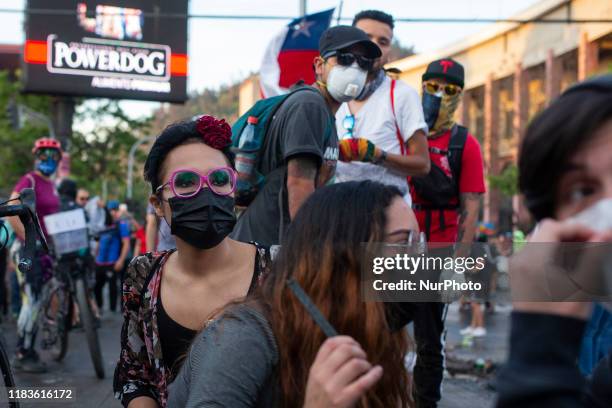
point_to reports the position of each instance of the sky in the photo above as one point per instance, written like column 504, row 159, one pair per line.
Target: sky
column 225, row 51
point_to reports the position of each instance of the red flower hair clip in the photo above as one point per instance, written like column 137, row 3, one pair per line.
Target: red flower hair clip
column 216, row 133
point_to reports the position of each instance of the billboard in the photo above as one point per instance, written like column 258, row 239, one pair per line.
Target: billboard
column 128, row 49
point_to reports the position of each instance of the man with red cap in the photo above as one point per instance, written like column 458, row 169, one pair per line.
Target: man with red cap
column 446, row 203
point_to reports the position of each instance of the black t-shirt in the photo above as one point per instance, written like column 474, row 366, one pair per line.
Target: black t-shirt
column 175, row 338
column 303, row 125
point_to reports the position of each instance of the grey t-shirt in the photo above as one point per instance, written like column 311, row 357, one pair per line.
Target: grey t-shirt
column 165, row 240
column 231, row 364
column 303, row 125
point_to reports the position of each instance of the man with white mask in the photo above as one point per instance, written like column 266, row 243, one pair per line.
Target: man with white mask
column 300, row 149
column 387, row 114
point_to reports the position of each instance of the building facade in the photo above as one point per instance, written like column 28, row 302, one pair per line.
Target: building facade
column 512, row 72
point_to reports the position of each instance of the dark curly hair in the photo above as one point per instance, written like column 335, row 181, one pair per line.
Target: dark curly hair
column 182, row 133
column 375, row 15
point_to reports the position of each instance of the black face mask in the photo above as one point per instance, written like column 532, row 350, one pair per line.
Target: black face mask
column 203, row 220
column 431, row 108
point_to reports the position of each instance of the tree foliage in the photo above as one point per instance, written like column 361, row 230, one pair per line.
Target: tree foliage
column 16, row 145
column 506, row 182
column 100, row 159
column 221, row 103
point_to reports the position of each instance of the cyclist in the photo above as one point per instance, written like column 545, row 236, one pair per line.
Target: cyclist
column 47, row 153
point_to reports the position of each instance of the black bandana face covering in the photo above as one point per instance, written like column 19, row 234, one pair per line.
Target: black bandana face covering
column 203, row 220
column 431, row 108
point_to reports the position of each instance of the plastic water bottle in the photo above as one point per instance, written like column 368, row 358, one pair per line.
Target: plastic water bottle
column 247, row 152
column 480, row 365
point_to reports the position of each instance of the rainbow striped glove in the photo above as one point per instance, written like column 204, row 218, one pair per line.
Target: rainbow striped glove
column 358, row 149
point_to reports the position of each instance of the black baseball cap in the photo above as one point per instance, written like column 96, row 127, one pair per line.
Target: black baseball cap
column 340, row 37
column 447, row 69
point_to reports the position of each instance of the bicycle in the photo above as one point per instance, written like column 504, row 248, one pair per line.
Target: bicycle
column 69, row 286
column 26, row 213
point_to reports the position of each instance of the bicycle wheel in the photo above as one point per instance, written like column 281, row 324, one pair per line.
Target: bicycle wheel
column 88, row 325
column 56, row 322
column 7, row 374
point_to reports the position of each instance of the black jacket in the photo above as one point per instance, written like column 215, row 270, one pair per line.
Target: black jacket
column 542, row 369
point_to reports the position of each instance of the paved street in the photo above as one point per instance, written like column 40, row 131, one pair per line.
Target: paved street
column 76, row 371
column 468, row 390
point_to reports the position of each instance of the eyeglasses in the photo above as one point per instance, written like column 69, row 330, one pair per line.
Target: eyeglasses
column 186, row 183
column 432, row 87
column 44, row 154
column 349, row 124
column 347, row 59
column 83, row 198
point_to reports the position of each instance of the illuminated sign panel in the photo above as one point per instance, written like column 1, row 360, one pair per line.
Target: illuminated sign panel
column 116, row 49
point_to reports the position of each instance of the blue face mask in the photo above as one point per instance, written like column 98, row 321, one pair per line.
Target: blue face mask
column 431, row 108
column 47, row 167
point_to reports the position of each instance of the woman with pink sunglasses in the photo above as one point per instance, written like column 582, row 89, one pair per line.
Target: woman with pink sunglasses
column 168, row 295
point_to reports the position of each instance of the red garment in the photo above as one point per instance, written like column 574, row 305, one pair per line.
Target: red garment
column 141, row 235
column 471, row 181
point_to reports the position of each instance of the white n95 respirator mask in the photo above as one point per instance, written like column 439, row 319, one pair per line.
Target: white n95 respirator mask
column 346, row 83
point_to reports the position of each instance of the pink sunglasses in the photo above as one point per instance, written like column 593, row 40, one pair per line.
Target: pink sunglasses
column 186, row 183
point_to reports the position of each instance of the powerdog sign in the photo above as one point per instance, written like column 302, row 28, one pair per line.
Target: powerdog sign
column 95, row 57
column 116, row 49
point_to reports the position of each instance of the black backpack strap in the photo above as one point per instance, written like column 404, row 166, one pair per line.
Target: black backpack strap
column 455, row 150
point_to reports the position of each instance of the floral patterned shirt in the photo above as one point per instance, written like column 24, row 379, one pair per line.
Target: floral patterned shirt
column 141, row 370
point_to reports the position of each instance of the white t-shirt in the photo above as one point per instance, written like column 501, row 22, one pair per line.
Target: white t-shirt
column 375, row 122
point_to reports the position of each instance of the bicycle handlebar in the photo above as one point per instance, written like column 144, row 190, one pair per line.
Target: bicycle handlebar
column 27, row 215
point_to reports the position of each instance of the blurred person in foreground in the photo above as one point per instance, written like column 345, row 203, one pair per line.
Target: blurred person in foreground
column 565, row 168
column 387, row 115
column 301, row 148
column 268, row 351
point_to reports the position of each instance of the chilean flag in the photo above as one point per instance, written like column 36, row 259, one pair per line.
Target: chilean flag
column 290, row 54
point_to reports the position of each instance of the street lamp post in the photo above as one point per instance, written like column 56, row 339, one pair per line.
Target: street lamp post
column 130, row 172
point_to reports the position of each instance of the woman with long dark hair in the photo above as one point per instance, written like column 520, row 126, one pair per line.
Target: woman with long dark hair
column 168, row 295
column 268, row 351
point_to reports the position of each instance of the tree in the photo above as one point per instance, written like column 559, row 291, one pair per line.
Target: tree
column 221, row 103
column 506, row 182
column 16, row 144
column 99, row 160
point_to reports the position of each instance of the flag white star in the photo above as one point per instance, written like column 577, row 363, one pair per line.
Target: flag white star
column 302, row 28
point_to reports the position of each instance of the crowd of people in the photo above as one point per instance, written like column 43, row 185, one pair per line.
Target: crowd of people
column 115, row 235
column 264, row 308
